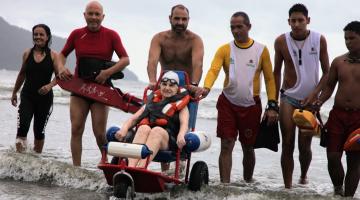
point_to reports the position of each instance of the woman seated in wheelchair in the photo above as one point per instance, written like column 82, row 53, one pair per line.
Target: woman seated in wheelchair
column 163, row 122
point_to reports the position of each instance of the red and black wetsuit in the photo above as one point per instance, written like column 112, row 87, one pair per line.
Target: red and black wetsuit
column 100, row 45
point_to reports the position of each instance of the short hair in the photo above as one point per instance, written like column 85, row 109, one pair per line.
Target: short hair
column 179, row 6
column 299, row 8
column 48, row 33
column 244, row 15
column 353, row 26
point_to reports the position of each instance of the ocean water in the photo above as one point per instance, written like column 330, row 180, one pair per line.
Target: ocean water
column 51, row 175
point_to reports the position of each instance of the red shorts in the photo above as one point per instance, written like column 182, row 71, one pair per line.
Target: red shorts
column 340, row 124
column 236, row 120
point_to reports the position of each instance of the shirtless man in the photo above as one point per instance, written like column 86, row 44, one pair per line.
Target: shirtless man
column 177, row 49
column 300, row 50
column 344, row 118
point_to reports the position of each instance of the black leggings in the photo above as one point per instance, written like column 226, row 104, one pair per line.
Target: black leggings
column 38, row 106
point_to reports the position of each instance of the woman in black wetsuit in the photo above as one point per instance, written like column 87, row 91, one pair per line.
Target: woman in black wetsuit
column 36, row 95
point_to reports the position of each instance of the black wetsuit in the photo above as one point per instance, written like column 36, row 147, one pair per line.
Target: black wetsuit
column 32, row 103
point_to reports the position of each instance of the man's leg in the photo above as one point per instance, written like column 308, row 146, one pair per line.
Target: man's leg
column 352, row 173
column 248, row 162
column 287, row 127
column 336, row 171
column 225, row 159
column 79, row 109
column 99, row 115
column 305, row 155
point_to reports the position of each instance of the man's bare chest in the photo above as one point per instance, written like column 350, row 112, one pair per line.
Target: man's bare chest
column 179, row 51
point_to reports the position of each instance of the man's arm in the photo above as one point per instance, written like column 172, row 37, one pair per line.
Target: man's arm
column 330, row 84
column 119, row 66
column 153, row 59
column 272, row 108
column 62, row 72
column 278, row 61
column 324, row 61
column 268, row 75
column 216, row 65
column 197, row 60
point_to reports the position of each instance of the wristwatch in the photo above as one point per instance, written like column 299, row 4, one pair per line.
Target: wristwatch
column 273, row 105
column 194, row 83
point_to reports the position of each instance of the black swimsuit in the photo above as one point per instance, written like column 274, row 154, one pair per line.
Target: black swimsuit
column 32, row 103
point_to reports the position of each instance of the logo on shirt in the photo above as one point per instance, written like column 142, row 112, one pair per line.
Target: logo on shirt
column 248, row 133
column 231, row 60
column 313, row 51
column 251, row 63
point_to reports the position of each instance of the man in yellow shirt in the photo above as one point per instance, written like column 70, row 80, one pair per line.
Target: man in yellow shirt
column 239, row 106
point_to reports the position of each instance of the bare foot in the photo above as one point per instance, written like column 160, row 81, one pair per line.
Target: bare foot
column 20, row 145
column 303, row 181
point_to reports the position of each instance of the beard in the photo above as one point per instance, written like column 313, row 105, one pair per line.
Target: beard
column 178, row 28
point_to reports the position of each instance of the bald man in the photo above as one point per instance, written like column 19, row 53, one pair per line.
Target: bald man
column 91, row 42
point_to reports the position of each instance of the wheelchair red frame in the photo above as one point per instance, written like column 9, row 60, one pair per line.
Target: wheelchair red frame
column 128, row 180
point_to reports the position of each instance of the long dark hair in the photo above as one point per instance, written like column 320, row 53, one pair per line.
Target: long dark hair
column 48, row 33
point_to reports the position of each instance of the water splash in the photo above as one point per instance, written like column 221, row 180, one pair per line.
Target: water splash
column 32, row 167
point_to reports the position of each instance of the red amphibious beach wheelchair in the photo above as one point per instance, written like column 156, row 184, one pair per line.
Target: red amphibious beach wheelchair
column 128, row 180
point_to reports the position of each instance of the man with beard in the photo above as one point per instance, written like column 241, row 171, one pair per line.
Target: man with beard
column 177, row 49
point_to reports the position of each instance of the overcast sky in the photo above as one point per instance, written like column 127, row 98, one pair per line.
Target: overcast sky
column 137, row 21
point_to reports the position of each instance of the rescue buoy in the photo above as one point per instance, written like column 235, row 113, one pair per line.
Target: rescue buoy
column 306, row 122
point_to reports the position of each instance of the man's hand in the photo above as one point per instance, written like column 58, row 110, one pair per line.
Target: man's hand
column 272, row 116
column 198, row 92
column 309, row 100
column 204, row 92
column 316, row 105
column 102, row 77
column 152, row 85
column 64, row 74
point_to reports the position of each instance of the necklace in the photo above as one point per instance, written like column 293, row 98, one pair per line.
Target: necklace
column 299, row 46
column 352, row 59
